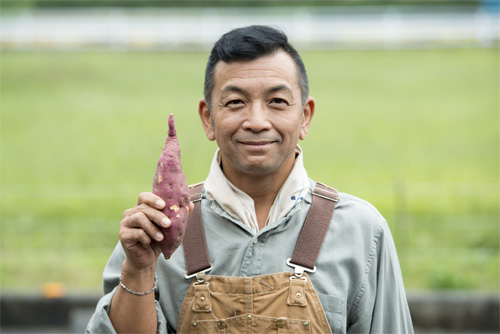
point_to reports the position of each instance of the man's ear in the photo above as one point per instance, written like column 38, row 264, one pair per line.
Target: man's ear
column 206, row 119
column 307, row 116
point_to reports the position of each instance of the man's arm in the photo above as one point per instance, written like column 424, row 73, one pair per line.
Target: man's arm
column 380, row 304
column 131, row 313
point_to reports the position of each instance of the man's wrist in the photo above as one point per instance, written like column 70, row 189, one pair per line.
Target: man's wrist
column 140, row 293
column 135, row 279
column 129, row 268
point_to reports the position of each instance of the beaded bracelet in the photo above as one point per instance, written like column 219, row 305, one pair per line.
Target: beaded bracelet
column 140, row 293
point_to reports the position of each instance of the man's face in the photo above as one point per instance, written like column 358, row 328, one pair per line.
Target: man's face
column 257, row 115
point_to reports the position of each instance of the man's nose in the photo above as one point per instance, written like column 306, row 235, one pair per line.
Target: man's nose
column 257, row 118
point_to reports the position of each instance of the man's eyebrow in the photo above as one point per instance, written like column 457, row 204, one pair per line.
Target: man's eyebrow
column 232, row 88
column 280, row 88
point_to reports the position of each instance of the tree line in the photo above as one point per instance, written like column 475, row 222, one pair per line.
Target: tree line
column 224, row 3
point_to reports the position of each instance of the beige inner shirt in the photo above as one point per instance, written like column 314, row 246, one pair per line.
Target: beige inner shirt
column 241, row 206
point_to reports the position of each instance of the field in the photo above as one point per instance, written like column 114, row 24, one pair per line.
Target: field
column 415, row 132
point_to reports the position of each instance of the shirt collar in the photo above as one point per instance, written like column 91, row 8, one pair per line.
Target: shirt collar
column 241, row 206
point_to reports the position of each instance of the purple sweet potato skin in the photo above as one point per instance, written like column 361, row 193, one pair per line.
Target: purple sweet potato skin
column 170, row 184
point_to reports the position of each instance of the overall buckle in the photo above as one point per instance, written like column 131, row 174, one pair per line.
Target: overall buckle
column 200, row 275
column 299, row 270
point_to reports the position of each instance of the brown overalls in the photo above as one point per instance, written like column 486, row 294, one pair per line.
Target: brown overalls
column 275, row 303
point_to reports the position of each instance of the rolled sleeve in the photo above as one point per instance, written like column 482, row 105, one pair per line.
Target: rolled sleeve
column 100, row 323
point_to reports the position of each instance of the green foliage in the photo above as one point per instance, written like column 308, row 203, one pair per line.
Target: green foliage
column 445, row 280
column 416, row 133
column 222, row 3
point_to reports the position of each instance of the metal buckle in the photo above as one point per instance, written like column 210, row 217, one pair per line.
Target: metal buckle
column 299, row 270
column 200, row 275
column 196, row 199
column 197, row 196
column 325, row 197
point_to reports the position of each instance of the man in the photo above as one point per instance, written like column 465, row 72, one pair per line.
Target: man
column 254, row 205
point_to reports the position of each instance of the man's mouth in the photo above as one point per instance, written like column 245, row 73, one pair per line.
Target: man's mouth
column 256, row 143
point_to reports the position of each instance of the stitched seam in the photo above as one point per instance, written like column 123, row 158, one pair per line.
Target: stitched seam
column 362, row 287
column 366, row 204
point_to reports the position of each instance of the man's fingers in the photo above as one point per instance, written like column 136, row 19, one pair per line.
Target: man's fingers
column 128, row 212
column 151, row 199
column 142, row 237
column 191, row 208
column 140, row 221
column 152, row 214
column 132, row 237
column 156, row 248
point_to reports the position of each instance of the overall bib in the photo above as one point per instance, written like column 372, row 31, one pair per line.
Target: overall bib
column 275, row 303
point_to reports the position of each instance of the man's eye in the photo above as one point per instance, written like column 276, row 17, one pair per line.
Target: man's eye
column 279, row 101
column 234, row 103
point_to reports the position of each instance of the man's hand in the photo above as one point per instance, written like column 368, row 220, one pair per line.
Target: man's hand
column 140, row 228
column 140, row 231
column 140, row 236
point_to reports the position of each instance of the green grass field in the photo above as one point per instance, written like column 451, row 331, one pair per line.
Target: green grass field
column 416, row 133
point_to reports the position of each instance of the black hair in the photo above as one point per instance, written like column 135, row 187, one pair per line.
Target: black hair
column 250, row 43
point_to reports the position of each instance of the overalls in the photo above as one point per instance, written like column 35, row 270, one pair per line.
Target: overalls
column 275, row 303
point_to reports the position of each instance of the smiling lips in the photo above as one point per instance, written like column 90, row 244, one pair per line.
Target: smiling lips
column 256, row 143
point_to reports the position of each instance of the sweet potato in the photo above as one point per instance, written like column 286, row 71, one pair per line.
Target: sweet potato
column 170, row 184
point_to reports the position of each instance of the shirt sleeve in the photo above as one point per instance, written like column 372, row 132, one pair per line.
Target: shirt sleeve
column 380, row 305
column 99, row 322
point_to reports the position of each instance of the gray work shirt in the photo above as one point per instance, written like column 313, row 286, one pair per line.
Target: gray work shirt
column 358, row 277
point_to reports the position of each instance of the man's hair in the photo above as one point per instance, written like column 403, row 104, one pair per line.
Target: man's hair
column 250, row 43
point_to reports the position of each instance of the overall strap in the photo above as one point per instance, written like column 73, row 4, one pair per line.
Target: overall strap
column 314, row 229
column 308, row 244
column 194, row 242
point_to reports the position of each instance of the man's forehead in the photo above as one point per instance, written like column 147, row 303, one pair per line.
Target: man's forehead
column 278, row 65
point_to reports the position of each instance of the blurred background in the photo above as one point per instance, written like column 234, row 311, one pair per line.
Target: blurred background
column 407, row 118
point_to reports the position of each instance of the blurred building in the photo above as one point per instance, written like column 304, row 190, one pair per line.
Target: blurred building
column 197, row 28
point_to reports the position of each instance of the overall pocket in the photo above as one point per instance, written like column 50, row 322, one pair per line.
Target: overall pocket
column 251, row 323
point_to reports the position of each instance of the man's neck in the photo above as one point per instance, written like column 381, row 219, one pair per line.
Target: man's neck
column 263, row 189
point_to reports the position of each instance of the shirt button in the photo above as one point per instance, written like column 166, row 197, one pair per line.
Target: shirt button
column 256, row 240
column 249, row 317
column 280, row 323
column 221, row 324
